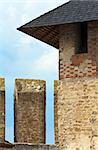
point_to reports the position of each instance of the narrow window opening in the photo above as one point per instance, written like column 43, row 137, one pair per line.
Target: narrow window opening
column 82, row 45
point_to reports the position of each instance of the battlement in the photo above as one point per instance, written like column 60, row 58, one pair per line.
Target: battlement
column 29, row 116
column 75, row 113
column 30, row 105
column 2, row 109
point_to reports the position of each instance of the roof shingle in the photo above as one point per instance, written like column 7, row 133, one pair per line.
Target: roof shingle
column 70, row 12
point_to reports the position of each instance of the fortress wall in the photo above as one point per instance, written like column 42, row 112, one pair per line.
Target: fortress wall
column 76, row 113
column 27, row 147
column 2, row 109
column 30, row 105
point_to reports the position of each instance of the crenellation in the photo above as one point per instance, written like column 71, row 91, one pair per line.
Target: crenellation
column 30, row 110
column 29, row 116
column 2, row 110
column 73, row 29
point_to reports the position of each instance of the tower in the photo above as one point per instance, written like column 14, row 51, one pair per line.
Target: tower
column 73, row 29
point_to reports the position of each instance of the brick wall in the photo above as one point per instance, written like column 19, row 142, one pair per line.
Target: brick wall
column 2, row 109
column 30, row 106
column 76, row 113
column 73, row 65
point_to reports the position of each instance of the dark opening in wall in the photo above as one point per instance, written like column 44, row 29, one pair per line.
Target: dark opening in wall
column 82, row 45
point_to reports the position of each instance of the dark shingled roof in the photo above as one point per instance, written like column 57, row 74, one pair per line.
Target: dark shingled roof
column 45, row 27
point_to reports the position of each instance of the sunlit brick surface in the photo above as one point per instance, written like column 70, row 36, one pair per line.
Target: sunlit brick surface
column 76, row 113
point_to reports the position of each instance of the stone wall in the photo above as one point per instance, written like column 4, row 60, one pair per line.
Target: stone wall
column 27, row 147
column 2, row 109
column 73, row 65
column 76, row 113
column 30, row 104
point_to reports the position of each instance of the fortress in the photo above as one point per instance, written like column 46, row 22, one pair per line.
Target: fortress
column 73, row 29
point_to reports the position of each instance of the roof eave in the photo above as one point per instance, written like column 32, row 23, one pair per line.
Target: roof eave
column 44, row 34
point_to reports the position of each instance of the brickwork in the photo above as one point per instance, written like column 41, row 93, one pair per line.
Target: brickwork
column 30, row 99
column 2, row 109
column 76, row 114
column 77, row 65
column 75, row 104
column 27, row 147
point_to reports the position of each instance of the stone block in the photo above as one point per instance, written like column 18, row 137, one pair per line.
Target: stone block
column 30, row 105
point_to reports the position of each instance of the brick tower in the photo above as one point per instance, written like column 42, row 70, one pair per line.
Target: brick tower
column 73, row 29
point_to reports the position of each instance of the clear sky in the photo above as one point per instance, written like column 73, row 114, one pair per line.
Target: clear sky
column 22, row 56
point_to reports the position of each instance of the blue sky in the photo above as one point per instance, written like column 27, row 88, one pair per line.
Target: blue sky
column 22, row 56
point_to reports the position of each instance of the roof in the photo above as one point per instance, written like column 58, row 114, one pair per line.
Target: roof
column 45, row 27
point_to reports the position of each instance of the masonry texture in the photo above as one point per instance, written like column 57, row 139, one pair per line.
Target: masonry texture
column 30, row 103
column 76, row 114
column 2, row 109
column 73, row 65
column 73, row 29
column 27, row 147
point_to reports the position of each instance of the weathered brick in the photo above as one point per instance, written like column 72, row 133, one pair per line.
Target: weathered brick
column 68, row 43
column 30, row 104
column 76, row 113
